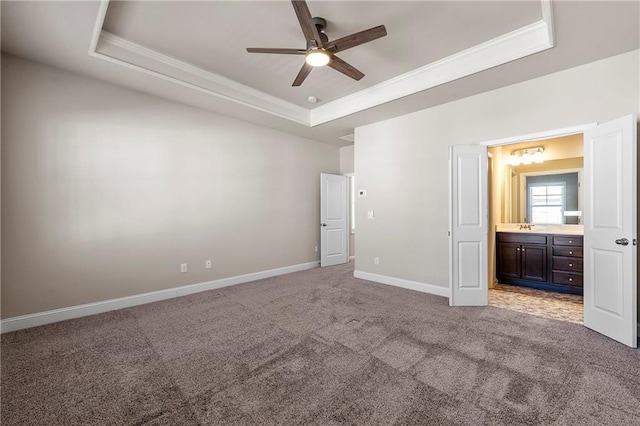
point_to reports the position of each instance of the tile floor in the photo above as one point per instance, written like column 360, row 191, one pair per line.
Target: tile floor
column 560, row 306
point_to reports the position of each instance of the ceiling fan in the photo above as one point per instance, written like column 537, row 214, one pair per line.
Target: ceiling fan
column 320, row 51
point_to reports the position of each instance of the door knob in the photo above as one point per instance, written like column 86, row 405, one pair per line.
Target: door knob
column 323, row 224
column 622, row 242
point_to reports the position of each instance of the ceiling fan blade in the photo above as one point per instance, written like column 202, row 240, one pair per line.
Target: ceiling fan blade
column 276, row 50
column 356, row 39
column 306, row 23
column 346, row 69
column 304, row 72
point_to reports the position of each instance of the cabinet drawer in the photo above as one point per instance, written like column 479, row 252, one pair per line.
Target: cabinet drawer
column 567, row 240
column 517, row 237
column 567, row 278
column 567, row 251
column 567, row 264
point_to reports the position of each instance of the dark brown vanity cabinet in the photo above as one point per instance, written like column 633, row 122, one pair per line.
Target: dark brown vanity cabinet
column 552, row 262
column 522, row 256
column 566, row 263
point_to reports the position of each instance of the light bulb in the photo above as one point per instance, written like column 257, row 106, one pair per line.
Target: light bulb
column 537, row 157
column 317, row 58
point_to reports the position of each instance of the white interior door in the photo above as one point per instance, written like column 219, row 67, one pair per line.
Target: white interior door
column 469, row 213
column 610, row 251
column 334, row 220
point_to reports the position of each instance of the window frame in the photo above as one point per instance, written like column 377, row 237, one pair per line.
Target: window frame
column 531, row 206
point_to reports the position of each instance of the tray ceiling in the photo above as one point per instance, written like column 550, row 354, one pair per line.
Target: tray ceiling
column 214, row 35
column 155, row 51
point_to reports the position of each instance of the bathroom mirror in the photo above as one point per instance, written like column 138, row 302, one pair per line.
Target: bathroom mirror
column 546, row 193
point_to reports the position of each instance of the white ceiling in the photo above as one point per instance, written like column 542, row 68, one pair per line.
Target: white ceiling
column 213, row 35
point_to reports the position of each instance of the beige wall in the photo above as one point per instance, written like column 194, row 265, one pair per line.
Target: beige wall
column 106, row 191
column 346, row 160
column 403, row 162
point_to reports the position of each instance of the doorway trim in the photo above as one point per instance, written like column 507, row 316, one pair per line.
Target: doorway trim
column 351, row 211
column 549, row 134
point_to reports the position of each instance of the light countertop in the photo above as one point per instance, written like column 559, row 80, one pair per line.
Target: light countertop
column 542, row 229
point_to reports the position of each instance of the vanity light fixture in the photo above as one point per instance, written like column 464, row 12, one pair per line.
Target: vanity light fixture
column 526, row 156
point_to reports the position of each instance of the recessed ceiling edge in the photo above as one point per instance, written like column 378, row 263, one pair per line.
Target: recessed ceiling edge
column 533, row 38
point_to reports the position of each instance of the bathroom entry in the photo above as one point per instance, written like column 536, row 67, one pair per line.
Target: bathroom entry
column 609, row 246
column 534, row 271
column 537, row 189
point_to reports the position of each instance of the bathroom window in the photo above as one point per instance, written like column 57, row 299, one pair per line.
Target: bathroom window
column 546, row 203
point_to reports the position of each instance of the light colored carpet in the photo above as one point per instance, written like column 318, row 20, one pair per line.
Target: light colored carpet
column 316, row 347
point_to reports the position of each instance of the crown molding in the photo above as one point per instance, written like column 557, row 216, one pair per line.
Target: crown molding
column 153, row 62
column 547, row 17
column 517, row 44
column 528, row 40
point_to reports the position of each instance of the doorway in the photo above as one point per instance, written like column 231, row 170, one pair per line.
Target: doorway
column 536, row 184
column 610, row 231
column 351, row 183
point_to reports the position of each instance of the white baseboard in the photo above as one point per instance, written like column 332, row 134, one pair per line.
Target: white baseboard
column 48, row 317
column 352, row 258
column 399, row 282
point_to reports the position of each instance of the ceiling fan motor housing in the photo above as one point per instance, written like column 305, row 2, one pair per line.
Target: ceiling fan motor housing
column 321, row 25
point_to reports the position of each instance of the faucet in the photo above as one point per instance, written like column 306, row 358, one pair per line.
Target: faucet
column 525, row 226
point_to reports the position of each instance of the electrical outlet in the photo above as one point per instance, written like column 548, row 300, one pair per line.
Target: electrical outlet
column 183, row 268
column 371, row 214
column 316, row 249
column 376, row 260
column 207, row 264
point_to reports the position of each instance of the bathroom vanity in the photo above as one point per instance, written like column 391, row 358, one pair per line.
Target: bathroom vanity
column 548, row 261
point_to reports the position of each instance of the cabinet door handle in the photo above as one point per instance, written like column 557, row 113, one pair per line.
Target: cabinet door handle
column 570, row 242
column 571, row 264
column 518, row 248
column 570, row 279
column 522, row 248
column 570, row 252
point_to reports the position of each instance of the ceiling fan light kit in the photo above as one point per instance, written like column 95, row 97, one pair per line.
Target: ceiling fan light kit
column 320, row 51
column 317, row 57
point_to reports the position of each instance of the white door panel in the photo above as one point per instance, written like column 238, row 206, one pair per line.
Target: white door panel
column 610, row 275
column 468, row 281
column 334, row 220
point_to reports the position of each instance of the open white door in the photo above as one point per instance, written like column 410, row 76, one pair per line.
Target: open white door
column 469, row 213
column 334, row 220
column 610, row 251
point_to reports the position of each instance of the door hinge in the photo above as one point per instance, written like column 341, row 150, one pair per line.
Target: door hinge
column 448, row 233
column 635, row 242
